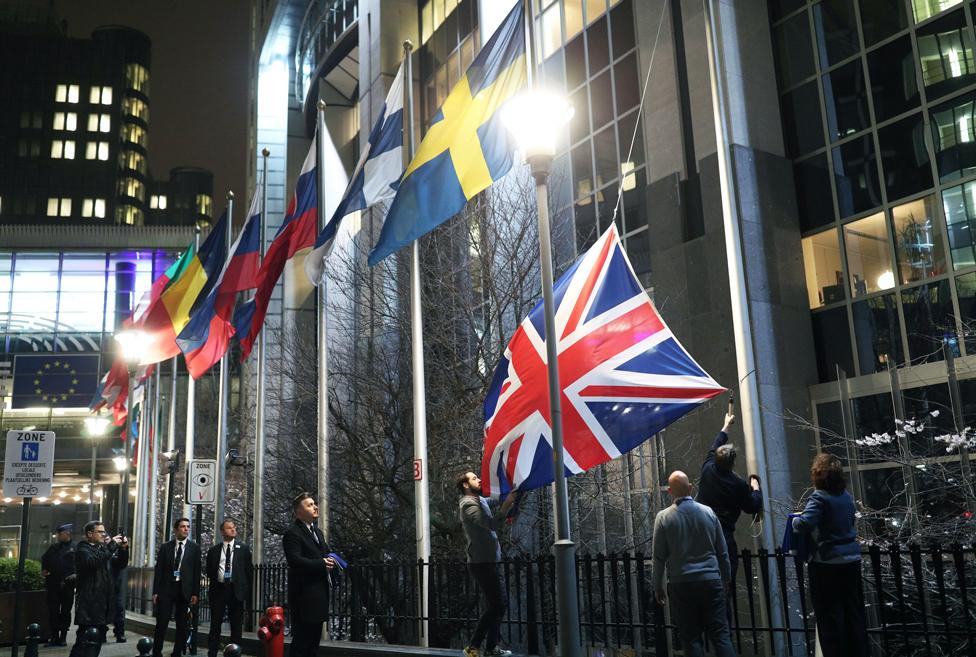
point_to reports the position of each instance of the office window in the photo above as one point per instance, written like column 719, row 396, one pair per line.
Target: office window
column 136, row 107
column 966, row 293
column 893, row 82
column 62, row 150
column 100, row 96
column 802, row 126
column 66, row 93
column 905, row 158
column 96, row 150
column 135, row 134
column 550, row 32
column 824, row 272
column 59, row 207
column 93, row 207
column 574, row 17
column 836, row 31
column 868, row 255
column 880, row 19
column 846, row 100
column 33, row 120
column 132, row 187
column 794, row 51
column 134, row 161
column 433, row 14
column 877, row 334
column 67, row 121
column 922, row 9
column 959, row 204
column 99, row 123
column 157, row 202
column 28, row 148
column 204, row 204
column 945, row 50
column 598, row 46
column 595, row 9
column 917, row 228
column 832, row 343
column 129, row 215
column 814, row 201
column 954, row 136
column 856, row 176
column 929, row 321
column 137, row 77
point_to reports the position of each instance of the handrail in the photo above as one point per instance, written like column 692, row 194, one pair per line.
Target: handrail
column 309, row 43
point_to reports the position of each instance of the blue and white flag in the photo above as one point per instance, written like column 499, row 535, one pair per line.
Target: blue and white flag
column 375, row 179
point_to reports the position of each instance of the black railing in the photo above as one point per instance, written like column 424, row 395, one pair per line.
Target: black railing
column 919, row 601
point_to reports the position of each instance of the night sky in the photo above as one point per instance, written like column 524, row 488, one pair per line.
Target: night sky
column 198, row 81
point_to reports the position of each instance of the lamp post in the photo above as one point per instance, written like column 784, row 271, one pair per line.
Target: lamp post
column 95, row 426
column 172, row 464
column 535, row 120
column 133, row 344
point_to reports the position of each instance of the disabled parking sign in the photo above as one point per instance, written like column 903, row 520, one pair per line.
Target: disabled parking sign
column 28, row 464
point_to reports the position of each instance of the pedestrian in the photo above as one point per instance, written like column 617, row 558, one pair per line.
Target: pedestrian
column 309, row 576
column 689, row 544
column 481, row 529
column 229, row 570
column 176, row 586
column 119, row 584
column 93, row 564
column 835, row 571
column 728, row 494
column 58, row 569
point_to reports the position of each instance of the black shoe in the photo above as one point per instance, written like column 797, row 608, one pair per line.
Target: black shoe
column 120, row 638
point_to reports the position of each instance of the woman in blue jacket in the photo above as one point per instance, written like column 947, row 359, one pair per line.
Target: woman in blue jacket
column 835, row 571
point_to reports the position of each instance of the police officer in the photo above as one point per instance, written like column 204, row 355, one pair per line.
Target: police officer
column 58, row 569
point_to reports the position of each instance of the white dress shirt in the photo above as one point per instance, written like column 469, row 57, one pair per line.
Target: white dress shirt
column 221, row 565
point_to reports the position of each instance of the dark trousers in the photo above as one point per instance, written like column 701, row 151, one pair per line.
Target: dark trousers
column 488, row 629
column 305, row 638
column 838, row 602
column 222, row 599
column 118, row 621
column 733, row 549
column 59, row 601
column 79, row 648
column 699, row 608
column 171, row 602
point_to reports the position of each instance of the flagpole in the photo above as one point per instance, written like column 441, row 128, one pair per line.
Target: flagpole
column 135, row 540
column 153, row 468
column 170, row 447
column 421, row 487
column 323, row 344
column 223, row 402
column 257, row 539
column 191, row 393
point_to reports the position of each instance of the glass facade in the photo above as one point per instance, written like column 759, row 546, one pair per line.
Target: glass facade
column 878, row 100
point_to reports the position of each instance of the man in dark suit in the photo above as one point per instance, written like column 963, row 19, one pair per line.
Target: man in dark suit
column 230, row 571
column 176, row 586
column 309, row 576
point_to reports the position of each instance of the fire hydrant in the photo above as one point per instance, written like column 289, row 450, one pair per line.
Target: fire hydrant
column 271, row 632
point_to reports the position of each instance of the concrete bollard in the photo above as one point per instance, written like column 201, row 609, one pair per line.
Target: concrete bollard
column 33, row 640
column 144, row 646
column 232, row 650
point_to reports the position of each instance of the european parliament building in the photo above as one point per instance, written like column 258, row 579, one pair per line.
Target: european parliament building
column 848, row 125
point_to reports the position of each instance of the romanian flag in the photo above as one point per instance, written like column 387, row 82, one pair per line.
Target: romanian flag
column 466, row 148
column 205, row 339
column 297, row 234
column 191, row 278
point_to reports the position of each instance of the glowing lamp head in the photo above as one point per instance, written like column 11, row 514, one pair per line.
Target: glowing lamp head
column 96, row 426
column 536, row 120
column 133, row 344
column 886, row 281
column 120, row 463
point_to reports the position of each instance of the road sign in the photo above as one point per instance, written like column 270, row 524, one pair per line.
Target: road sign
column 201, row 481
column 29, row 464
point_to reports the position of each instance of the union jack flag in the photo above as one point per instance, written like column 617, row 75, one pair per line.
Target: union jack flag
column 623, row 377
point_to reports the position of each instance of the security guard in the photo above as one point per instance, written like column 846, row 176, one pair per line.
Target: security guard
column 58, row 568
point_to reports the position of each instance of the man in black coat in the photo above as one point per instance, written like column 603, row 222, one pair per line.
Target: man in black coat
column 176, row 586
column 230, row 571
column 309, row 576
column 93, row 564
column 58, row 569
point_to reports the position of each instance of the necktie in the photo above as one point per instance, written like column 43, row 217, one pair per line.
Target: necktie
column 227, row 561
column 179, row 556
column 314, row 535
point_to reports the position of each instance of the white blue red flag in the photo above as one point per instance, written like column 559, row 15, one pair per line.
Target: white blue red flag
column 623, row 377
column 375, row 179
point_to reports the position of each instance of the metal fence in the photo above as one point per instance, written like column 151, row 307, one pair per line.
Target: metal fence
column 919, row 601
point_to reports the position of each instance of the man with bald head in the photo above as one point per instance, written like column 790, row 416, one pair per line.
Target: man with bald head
column 688, row 544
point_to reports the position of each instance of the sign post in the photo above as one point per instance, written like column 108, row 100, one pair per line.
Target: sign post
column 201, row 482
column 28, row 472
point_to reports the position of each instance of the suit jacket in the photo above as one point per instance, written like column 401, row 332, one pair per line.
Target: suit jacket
column 189, row 569
column 308, row 577
column 242, row 570
column 481, row 529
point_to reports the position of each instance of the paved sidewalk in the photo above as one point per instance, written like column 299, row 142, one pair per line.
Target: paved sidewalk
column 109, row 649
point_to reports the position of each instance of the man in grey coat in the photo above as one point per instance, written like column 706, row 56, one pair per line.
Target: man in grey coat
column 93, row 565
column 689, row 545
column 481, row 529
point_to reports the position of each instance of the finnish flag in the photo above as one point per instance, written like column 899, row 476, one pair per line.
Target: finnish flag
column 376, row 177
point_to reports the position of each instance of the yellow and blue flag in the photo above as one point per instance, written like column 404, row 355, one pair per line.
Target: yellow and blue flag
column 466, row 149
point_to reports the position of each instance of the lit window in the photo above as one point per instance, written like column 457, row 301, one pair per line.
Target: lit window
column 59, row 207
column 103, row 151
column 135, row 107
column 923, row 9
column 66, row 121
column 129, row 215
column 62, row 150
column 96, row 150
column 157, row 202
column 868, row 255
column 137, row 77
column 204, row 204
column 132, row 187
column 93, row 207
column 433, row 14
column 134, row 134
column 104, row 123
column 824, row 273
column 918, row 240
column 100, row 96
column 66, row 93
column 134, row 161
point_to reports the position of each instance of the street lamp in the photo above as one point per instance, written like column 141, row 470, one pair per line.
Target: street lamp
column 95, row 426
column 172, row 460
column 133, row 344
column 536, row 119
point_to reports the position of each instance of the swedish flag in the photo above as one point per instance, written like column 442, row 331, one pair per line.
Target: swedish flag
column 466, row 149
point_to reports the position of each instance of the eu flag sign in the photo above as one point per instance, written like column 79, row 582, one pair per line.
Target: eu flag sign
column 63, row 380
